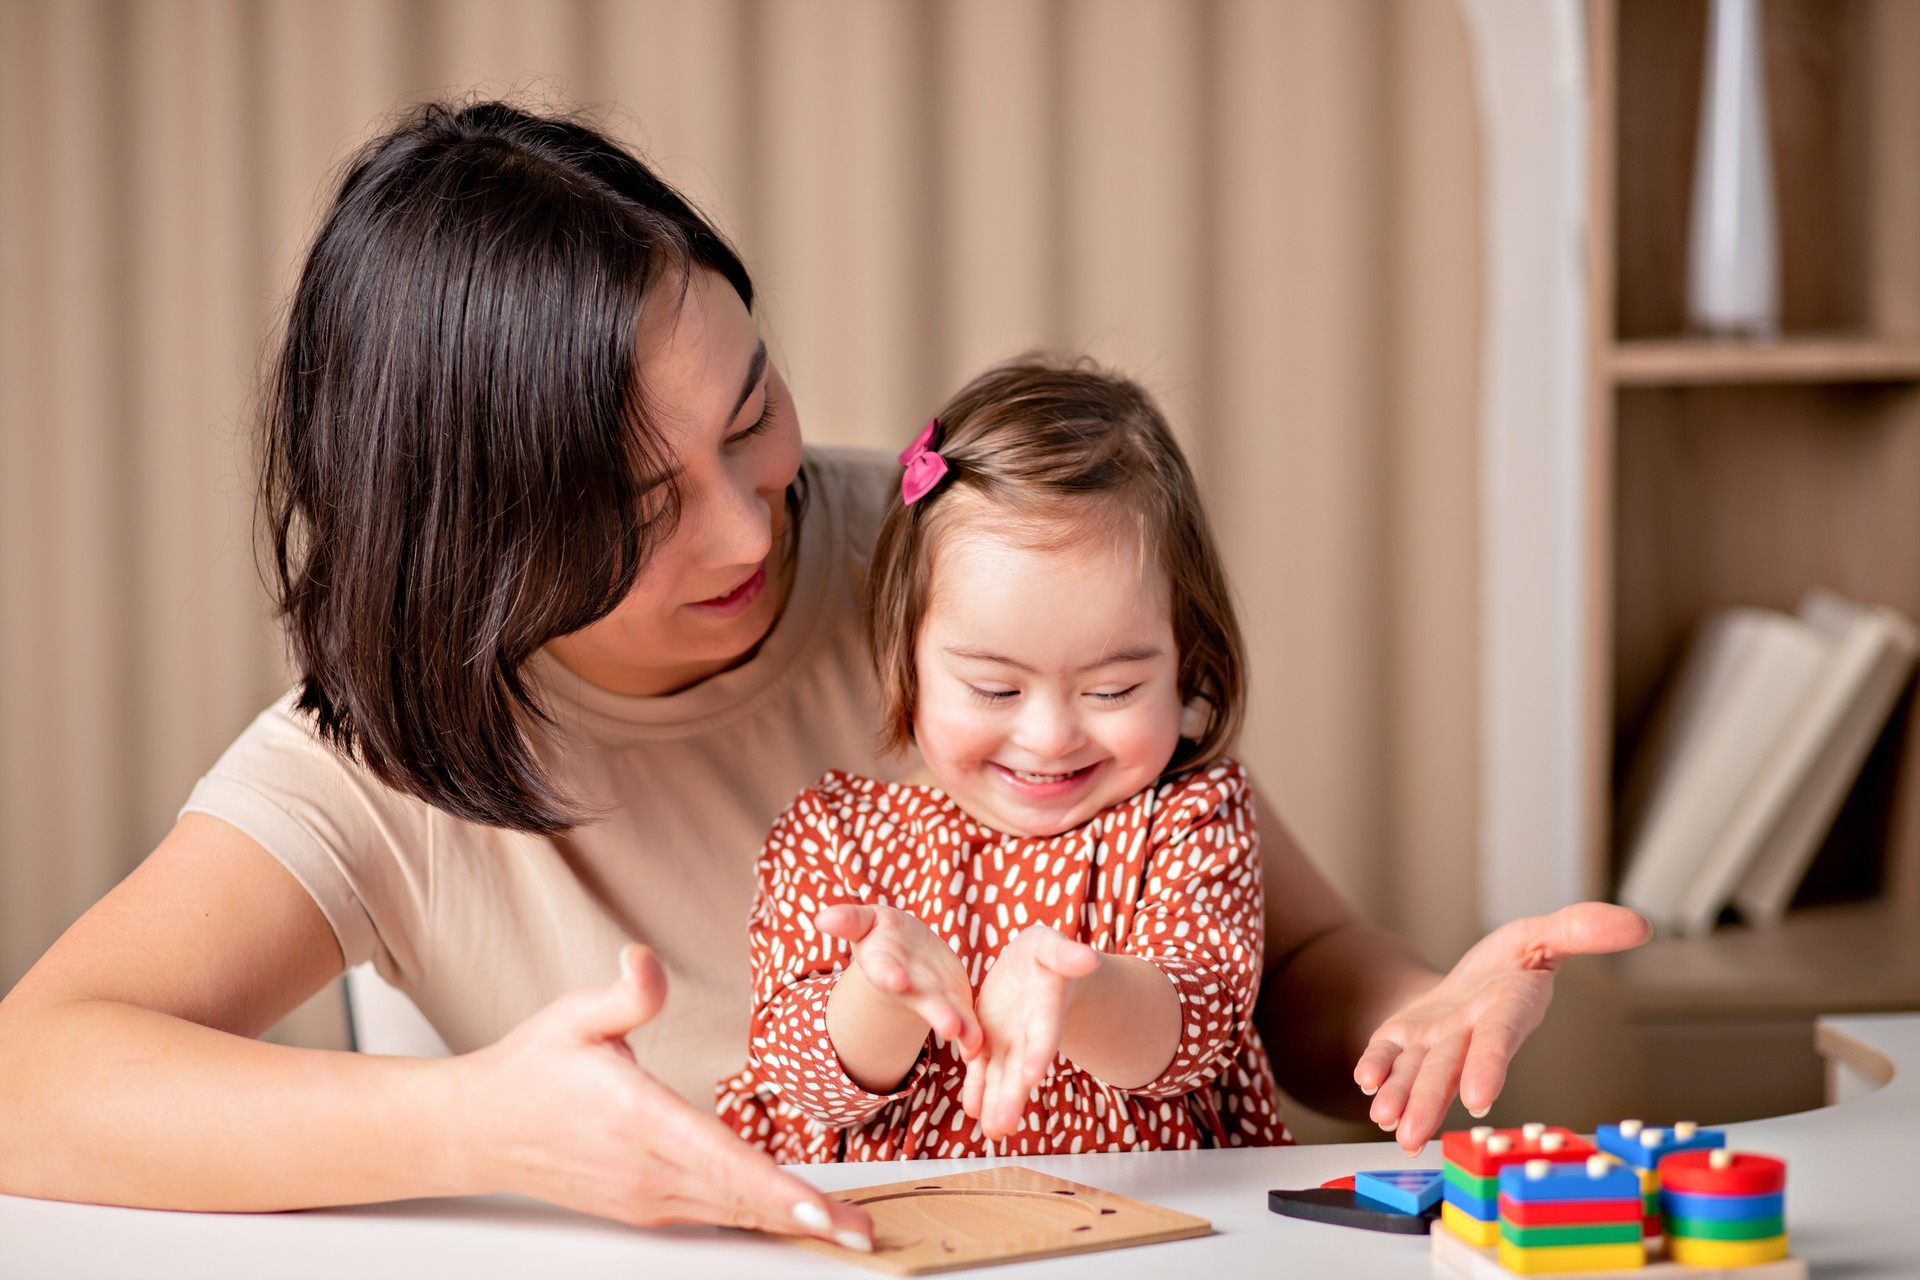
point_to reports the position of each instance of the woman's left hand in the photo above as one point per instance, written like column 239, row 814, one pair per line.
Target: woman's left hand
column 1461, row 1034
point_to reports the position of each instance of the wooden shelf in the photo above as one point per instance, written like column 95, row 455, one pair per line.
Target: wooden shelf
column 1699, row 361
column 1854, row 958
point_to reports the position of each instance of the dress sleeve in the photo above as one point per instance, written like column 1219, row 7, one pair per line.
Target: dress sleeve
column 795, row 966
column 1200, row 921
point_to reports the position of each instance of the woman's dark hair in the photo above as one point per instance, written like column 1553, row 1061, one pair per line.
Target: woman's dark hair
column 1059, row 450
column 457, row 464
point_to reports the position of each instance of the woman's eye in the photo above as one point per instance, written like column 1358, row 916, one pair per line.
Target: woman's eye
column 991, row 696
column 1114, row 698
column 759, row 426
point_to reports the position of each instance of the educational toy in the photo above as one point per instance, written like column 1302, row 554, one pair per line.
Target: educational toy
column 1005, row 1214
column 1406, row 1190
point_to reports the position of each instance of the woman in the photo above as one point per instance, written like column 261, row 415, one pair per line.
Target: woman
column 574, row 617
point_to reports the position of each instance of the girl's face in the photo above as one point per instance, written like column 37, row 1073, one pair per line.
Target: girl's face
column 1048, row 685
column 711, row 592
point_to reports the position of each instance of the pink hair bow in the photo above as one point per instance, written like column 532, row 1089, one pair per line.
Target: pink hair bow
column 925, row 468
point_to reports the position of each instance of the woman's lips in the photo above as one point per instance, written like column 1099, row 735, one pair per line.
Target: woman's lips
column 736, row 600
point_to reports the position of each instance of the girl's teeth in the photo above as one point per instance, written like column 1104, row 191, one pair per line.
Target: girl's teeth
column 1024, row 776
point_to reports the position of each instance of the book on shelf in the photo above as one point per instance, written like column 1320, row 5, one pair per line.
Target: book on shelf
column 1751, row 753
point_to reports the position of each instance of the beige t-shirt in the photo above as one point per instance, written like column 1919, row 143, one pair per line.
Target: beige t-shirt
column 482, row 927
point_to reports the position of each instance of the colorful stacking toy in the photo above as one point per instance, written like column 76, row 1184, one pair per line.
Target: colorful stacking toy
column 1642, row 1148
column 1472, row 1163
column 1724, row 1208
column 1570, row 1217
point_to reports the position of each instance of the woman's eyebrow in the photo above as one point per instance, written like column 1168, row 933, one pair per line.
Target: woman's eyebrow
column 755, row 367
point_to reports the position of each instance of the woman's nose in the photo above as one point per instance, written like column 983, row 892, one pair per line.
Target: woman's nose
column 736, row 527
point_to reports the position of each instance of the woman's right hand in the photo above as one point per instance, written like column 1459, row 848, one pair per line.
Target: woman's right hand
column 560, row 1111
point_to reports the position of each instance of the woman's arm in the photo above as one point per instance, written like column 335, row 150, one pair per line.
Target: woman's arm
column 1329, row 978
column 127, row 1075
column 1352, row 1014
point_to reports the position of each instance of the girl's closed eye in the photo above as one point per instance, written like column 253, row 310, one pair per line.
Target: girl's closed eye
column 991, row 697
column 1115, row 697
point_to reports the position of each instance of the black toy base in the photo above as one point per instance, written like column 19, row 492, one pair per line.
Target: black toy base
column 1343, row 1208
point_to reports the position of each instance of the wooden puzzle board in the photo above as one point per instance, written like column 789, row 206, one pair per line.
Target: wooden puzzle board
column 991, row 1216
column 1453, row 1256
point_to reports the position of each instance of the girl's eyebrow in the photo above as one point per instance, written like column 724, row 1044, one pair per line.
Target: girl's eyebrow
column 755, row 367
column 1140, row 654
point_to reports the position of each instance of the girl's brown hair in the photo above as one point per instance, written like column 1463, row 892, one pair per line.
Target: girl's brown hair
column 1062, row 449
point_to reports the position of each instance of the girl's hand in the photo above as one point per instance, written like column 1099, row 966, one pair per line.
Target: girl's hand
column 559, row 1110
column 900, row 957
column 1023, row 1010
column 1462, row 1033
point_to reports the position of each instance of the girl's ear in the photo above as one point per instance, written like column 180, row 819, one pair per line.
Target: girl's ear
column 1194, row 718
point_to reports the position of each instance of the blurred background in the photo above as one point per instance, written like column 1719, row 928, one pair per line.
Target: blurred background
column 1267, row 211
column 1410, row 277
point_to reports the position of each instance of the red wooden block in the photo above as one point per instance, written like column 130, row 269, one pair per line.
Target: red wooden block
column 1475, row 1159
column 1560, row 1213
column 1745, row 1174
column 1340, row 1184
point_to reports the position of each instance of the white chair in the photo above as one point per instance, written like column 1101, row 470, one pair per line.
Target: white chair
column 384, row 1021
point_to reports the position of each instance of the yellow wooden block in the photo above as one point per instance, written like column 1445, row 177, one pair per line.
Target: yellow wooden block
column 1468, row 1227
column 1725, row 1253
column 1572, row 1257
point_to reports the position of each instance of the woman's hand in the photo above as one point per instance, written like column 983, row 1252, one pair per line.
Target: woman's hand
column 1023, row 1010
column 560, row 1111
column 1462, row 1033
column 902, row 959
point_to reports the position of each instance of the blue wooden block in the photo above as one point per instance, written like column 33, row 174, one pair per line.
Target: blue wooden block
column 1473, row 1206
column 1403, row 1190
column 1634, row 1149
column 1683, row 1204
column 1570, row 1182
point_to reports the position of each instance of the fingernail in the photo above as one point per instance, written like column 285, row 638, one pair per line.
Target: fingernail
column 811, row 1216
column 853, row 1240
column 1369, row 1091
column 1390, row 1126
column 1416, row 1153
column 1478, row 1113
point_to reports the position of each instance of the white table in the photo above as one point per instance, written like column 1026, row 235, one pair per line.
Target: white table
column 1853, row 1208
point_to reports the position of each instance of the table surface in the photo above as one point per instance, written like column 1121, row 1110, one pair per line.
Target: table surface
column 1852, row 1211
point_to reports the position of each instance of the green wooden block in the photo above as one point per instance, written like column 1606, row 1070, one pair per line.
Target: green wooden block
column 1483, row 1188
column 1727, row 1228
column 1572, row 1234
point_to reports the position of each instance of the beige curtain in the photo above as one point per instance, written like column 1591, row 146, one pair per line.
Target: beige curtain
column 1266, row 209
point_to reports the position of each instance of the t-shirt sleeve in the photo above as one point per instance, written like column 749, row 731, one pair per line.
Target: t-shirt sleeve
column 359, row 849
column 795, row 966
column 1200, row 920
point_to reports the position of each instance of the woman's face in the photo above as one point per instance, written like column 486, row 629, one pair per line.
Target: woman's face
column 712, row 591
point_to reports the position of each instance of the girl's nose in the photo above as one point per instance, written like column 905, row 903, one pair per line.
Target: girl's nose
column 1049, row 728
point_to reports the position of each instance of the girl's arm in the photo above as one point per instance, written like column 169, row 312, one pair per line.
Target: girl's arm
column 127, row 1076
column 1164, row 1016
column 844, row 992
column 1123, row 1022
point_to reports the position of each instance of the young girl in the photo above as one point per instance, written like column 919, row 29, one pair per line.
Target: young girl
column 1054, row 942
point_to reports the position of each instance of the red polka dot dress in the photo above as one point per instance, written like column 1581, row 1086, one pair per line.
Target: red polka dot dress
column 1171, row 876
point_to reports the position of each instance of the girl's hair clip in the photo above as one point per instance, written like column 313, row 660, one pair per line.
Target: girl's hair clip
column 925, row 467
